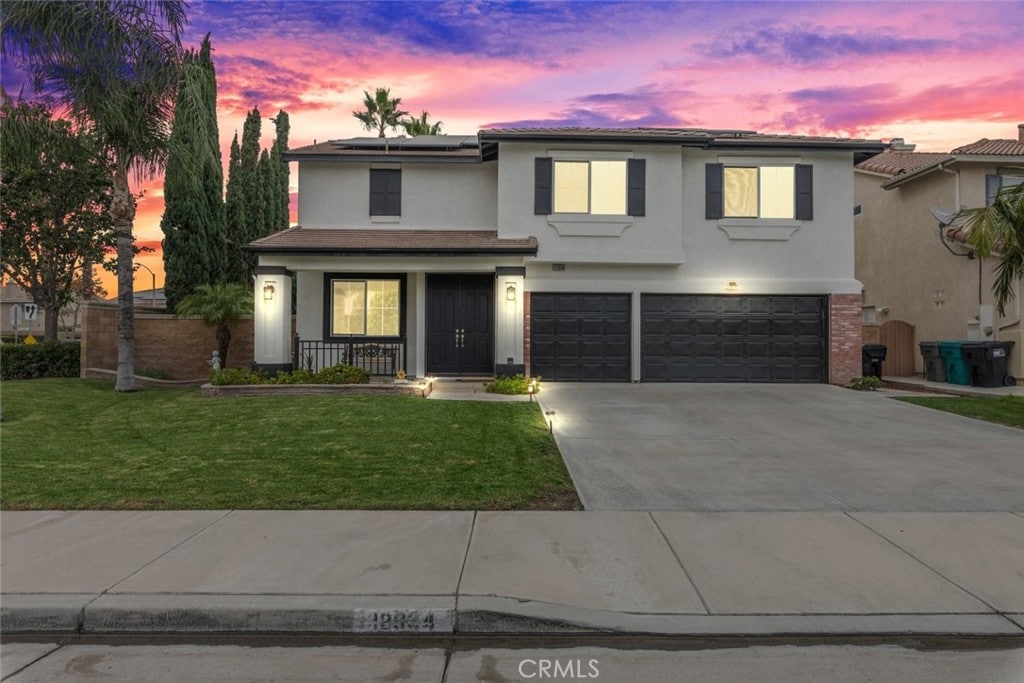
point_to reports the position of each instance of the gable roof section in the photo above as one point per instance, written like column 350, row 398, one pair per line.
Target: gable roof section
column 892, row 163
column 420, row 148
column 986, row 147
column 439, row 242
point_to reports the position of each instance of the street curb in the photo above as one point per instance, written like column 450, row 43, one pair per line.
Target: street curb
column 135, row 614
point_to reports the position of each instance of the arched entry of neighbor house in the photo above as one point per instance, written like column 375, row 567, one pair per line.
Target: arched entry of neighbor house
column 898, row 337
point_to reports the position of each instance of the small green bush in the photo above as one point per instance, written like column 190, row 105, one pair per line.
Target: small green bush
column 344, row 374
column 238, row 376
column 300, row 376
column 866, row 383
column 45, row 359
column 518, row 384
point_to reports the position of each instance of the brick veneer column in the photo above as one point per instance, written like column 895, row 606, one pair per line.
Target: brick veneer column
column 526, row 331
column 844, row 338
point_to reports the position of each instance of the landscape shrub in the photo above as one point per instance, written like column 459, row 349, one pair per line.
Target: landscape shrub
column 866, row 383
column 45, row 359
column 336, row 374
column 517, row 384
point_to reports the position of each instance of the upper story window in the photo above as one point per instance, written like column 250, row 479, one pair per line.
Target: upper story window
column 759, row 191
column 1003, row 178
column 597, row 187
column 385, row 192
column 594, row 187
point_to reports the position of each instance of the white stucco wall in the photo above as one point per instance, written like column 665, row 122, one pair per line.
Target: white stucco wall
column 434, row 196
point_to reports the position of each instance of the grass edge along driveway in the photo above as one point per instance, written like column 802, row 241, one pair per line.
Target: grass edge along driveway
column 76, row 444
column 1004, row 410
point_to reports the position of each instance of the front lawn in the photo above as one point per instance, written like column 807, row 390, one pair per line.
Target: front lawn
column 1005, row 410
column 76, row 444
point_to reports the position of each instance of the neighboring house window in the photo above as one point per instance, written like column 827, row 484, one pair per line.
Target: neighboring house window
column 369, row 308
column 385, row 192
column 994, row 183
column 762, row 191
column 596, row 187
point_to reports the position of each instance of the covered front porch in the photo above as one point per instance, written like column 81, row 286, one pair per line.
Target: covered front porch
column 420, row 303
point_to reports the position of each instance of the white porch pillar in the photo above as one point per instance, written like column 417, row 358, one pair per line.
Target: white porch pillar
column 508, row 321
column 272, row 318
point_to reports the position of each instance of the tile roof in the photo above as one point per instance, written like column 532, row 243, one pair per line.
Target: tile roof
column 893, row 164
column 988, row 147
column 710, row 136
column 370, row 241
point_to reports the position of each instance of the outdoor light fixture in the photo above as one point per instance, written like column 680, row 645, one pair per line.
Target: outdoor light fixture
column 551, row 421
column 531, row 388
column 268, row 291
column 732, row 286
column 510, row 292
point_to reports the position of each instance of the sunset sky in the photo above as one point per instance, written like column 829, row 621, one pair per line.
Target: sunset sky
column 939, row 74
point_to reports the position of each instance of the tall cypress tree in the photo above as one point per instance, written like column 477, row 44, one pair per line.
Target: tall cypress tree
column 249, row 186
column 235, row 207
column 193, row 220
column 281, row 195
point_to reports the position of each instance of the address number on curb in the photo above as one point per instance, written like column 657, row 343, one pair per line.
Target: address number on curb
column 403, row 621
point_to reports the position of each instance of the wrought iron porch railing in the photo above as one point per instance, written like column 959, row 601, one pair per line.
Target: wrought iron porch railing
column 382, row 358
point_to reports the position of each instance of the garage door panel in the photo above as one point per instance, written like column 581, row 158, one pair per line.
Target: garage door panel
column 580, row 337
column 733, row 338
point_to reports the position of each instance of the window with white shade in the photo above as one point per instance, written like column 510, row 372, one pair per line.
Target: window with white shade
column 590, row 187
column 370, row 308
column 758, row 191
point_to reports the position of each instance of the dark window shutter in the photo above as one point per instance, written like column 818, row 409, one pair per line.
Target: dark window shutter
column 385, row 192
column 993, row 183
column 714, row 206
column 804, row 192
column 636, row 198
column 543, row 171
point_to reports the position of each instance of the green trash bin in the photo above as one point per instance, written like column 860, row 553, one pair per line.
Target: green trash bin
column 957, row 371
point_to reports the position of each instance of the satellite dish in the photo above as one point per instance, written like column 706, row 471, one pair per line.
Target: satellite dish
column 943, row 217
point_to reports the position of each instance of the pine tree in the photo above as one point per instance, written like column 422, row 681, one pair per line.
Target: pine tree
column 235, row 208
column 193, row 220
column 281, row 194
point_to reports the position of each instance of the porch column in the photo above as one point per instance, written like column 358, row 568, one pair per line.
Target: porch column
column 508, row 318
column 272, row 319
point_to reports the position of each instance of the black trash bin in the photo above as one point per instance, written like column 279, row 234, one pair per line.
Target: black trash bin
column 989, row 363
column 934, row 366
column 871, row 356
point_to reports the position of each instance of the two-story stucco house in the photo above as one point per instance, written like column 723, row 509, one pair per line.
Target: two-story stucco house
column 921, row 282
column 656, row 255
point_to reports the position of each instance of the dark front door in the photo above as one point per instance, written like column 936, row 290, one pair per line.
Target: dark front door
column 460, row 323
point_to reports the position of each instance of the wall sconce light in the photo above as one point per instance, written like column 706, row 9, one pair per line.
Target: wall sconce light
column 939, row 297
column 268, row 291
column 732, row 286
column 510, row 292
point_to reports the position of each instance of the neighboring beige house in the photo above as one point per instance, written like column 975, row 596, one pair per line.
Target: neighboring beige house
column 918, row 274
column 12, row 295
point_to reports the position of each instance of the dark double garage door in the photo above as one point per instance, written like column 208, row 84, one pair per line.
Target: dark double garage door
column 683, row 338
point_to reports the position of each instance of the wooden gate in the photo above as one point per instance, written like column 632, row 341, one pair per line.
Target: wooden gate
column 898, row 337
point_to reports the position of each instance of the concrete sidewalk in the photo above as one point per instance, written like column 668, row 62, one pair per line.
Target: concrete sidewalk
column 693, row 573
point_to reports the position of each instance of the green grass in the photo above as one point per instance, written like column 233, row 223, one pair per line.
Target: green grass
column 76, row 444
column 1005, row 410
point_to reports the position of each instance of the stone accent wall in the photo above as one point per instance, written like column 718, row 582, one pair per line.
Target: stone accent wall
column 845, row 335
column 526, row 331
column 179, row 346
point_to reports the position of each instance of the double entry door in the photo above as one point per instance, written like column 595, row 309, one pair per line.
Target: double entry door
column 460, row 324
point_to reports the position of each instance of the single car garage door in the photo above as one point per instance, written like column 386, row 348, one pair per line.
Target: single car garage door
column 699, row 338
column 580, row 337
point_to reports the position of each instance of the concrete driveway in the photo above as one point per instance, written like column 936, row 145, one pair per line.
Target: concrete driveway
column 719, row 447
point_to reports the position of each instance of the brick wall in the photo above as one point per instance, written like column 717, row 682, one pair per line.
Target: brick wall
column 179, row 346
column 526, row 331
column 844, row 334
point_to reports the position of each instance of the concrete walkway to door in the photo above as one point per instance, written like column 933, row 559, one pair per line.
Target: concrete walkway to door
column 761, row 447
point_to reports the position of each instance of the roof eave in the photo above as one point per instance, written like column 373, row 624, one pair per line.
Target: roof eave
column 383, row 158
column 914, row 175
column 391, row 251
column 583, row 138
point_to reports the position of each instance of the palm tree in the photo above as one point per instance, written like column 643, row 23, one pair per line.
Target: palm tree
column 381, row 111
column 115, row 66
column 998, row 230
column 219, row 306
column 420, row 126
